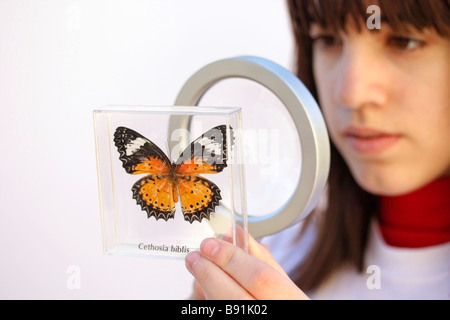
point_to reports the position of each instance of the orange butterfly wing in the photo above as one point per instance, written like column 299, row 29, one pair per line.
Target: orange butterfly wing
column 156, row 192
column 198, row 197
column 207, row 154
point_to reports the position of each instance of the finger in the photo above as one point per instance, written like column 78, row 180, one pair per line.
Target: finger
column 215, row 283
column 238, row 237
column 255, row 248
column 258, row 278
column 261, row 252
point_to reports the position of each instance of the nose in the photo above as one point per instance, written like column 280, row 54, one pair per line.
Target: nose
column 362, row 78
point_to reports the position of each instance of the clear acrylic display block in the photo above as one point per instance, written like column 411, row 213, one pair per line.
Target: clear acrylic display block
column 169, row 177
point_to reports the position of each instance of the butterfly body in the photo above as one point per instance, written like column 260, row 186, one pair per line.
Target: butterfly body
column 166, row 182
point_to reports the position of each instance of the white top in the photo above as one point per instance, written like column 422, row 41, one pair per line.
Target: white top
column 389, row 273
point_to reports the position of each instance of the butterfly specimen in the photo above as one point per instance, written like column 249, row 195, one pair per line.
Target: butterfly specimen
column 167, row 182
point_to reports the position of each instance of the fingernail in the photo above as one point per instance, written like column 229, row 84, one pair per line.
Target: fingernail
column 191, row 258
column 209, row 247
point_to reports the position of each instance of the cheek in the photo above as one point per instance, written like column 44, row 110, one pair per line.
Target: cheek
column 331, row 118
column 325, row 88
column 322, row 79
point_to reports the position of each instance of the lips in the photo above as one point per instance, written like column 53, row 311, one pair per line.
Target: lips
column 370, row 141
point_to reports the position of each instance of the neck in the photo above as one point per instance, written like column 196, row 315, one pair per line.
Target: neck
column 418, row 219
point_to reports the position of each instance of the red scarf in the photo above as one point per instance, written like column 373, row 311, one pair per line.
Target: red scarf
column 417, row 219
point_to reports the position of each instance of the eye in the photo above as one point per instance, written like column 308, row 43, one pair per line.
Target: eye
column 404, row 43
column 326, row 41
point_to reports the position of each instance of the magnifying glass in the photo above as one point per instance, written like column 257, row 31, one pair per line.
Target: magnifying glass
column 296, row 163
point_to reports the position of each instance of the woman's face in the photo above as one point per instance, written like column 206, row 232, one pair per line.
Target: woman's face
column 386, row 99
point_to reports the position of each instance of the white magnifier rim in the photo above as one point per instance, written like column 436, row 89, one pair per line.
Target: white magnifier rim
column 308, row 120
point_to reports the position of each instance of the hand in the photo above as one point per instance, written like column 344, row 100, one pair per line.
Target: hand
column 225, row 272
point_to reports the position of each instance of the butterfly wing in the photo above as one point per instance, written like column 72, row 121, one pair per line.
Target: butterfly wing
column 206, row 154
column 198, row 197
column 138, row 154
column 156, row 192
column 156, row 195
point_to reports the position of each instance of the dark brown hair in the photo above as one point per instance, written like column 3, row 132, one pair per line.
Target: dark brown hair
column 343, row 225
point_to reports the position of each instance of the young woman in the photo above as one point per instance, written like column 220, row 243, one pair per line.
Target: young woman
column 385, row 229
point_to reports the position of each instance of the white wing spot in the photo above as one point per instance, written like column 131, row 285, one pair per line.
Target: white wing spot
column 134, row 146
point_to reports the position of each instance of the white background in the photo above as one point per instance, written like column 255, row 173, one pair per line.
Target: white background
column 59, row 60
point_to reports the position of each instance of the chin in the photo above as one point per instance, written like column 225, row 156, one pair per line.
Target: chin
column 387, row 184
column 383, row 190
